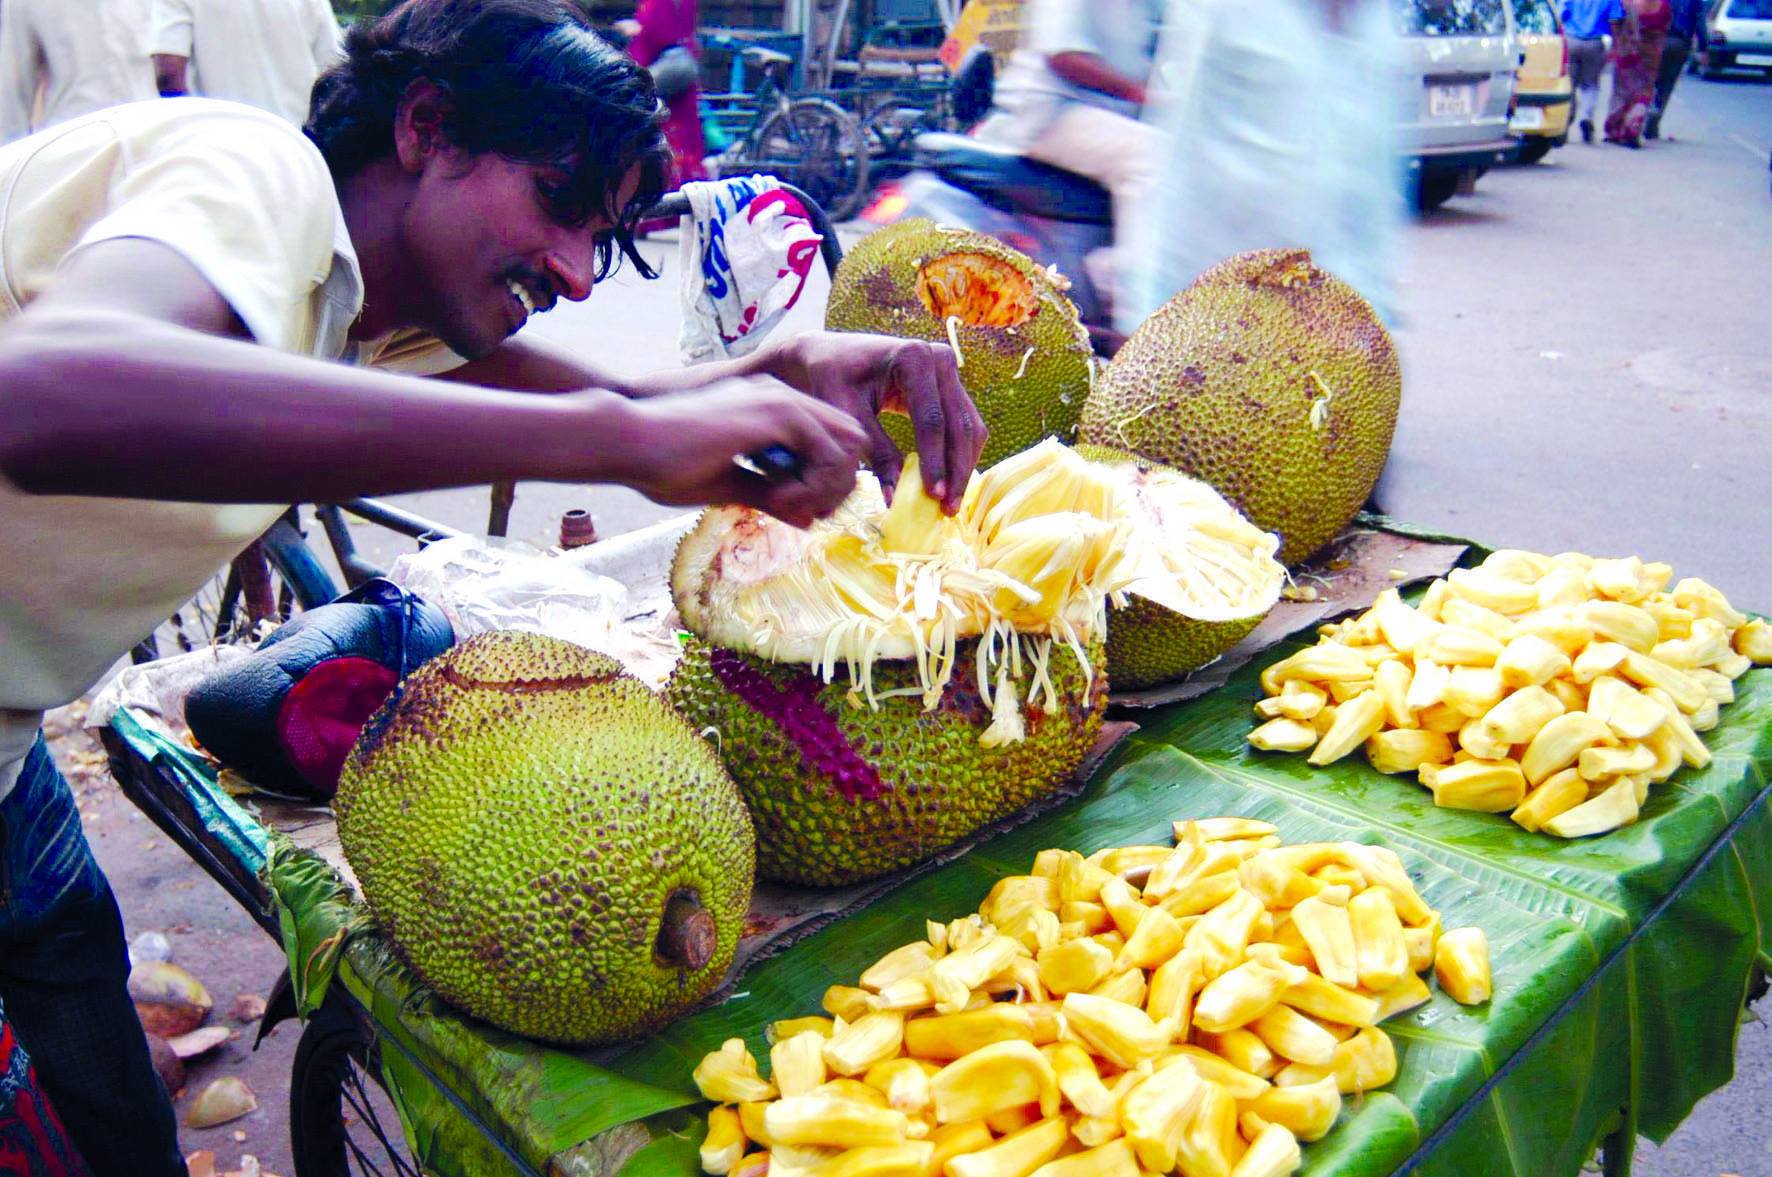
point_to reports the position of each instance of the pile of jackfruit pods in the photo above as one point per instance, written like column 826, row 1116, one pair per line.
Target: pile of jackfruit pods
column 1195, row 1009
column 1556, row 689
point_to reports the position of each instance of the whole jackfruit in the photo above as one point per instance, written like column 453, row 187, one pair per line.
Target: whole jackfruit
column 1269, row 378
column 1024, row 356
column 545, row 842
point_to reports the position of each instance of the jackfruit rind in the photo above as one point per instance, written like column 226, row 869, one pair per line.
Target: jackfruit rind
column 1150, row 643
column 1269, row 378
column 545, row 842
column 1024, row 355
column 841, row 793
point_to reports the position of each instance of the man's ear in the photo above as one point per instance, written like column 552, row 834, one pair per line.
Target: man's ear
column 418, row 125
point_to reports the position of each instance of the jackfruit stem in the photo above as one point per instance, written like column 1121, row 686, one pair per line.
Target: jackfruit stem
column 687, row 935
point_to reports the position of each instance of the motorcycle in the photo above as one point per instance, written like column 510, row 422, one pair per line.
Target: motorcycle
column 1055, row 217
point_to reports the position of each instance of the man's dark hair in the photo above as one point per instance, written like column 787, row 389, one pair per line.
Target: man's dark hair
column 525, row 79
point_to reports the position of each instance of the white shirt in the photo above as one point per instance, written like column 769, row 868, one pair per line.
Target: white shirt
column 1122, row 33
column 265, row 53
column 60, row 59
column 246, row 199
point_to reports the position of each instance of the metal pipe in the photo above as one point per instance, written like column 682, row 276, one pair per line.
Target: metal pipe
column 394, row 519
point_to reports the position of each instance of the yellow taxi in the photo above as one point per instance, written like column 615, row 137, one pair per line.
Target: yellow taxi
column 1543, row 95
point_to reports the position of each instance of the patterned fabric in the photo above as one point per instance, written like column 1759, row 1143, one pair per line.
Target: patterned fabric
column 32, row 1140
column 1637, row 49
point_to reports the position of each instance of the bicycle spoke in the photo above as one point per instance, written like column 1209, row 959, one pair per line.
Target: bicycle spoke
column 356, row 1093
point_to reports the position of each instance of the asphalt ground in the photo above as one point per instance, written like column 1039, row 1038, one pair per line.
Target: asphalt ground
column 1587, row 348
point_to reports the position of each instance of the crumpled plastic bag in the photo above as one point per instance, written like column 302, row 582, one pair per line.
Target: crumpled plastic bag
column 158, row 688
column 747, row 250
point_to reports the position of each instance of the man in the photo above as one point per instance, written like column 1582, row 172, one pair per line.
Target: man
column 60, row 60
column 1072, row 92
column 1586, row 25
column 265, row 53
column 180, row 275
column 1688, row 25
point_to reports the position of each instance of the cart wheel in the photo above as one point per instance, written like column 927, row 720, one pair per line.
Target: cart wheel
column 340, row 1120
column 817, row 146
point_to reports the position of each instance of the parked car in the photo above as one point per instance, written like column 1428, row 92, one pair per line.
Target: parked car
column 1459, row 92
column 1543, row 94
column 1740, row 35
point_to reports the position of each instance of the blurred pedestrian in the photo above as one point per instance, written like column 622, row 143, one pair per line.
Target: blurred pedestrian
column 1586, row 25
column 661, row 37
column 265, row 53
column 1636, row 56
column 59, row 60
column 1277, row 120
column 1072, row 93
column 1688, row 27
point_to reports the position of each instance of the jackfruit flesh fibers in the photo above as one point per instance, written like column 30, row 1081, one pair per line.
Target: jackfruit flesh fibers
column 1240, row 1040
column 1042, row 544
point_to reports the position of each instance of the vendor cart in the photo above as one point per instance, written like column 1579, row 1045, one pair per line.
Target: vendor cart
column 1621, row 964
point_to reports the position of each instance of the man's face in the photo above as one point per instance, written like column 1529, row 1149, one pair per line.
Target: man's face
column 489, row 251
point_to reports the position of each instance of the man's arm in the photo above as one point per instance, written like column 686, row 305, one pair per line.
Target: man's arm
column 20, row 71
column 170, row 74
column 1093, row 73
column 132, row 377
column 170, row 36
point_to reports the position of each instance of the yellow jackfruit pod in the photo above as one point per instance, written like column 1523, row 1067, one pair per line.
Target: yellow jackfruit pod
column 1079, row 1081
column 1035, row 927
column 1419, row 941
column 1705, row 600
column 752, row 1164
column 788, row 1027
column 1241, row 1084
column 1562, row 625
column 952, row 1036
column 1671, row 621
column 1308, row 1110
column 1401, row 626
column 1048, row 863
column 1475, row 740
column 1378, row 938
column 1685, row 691
column 1458, row 612
column 1113, row 1159
column 1706, row 717
column 729, row 1075
column 1499, row 593
column 797, row 1064
column 1014, row 1119
column 906, row 995
column 1693, row 749
column 1080, row 881
column 1095, row 1131
column 1381, row 867
column 1432, row 598
column 1123, row 905
column 1222, row 934
column 750, row 1118
column 1156, row 1111
column 956, row 975
column 1615, row 807
column 1245, row 1050
column 1483, row 786
column 1460, row 645
column 1273, row 1152
column 1131, row 863
column 1016, row 1155
column 1407, row 749
column 903, row 1081
column 1074, row 966
column 1157, row 938
column 1734, row 665
column 1210, row 1144
column 1441, row 717
column 1123, row 1034
column 1128, row 986
column 1329, row 934
column 1355, row 721
column 937, row 934
column 1242, row 994
column 1405, row 995
column 1461, row 966
column 1516, row 564
column 1293, row 1036
column 1562, row 586
column 1473, row 690
column 725, row 1142
column 953, row 1140
column 871, row 1038
column 855, row 1090
column 1598, row 763
column 1365, row 1062
column 1559, row 793
column 1520, row 716
column 1323, row 998
column 800, row 1160
column 1082, row 919
column 1170, row 996
column 1227, row 829
column 1324, row 663
column 1623, row 708
column 1707, row 642
column 910, row 960
column 846, row 1002
column 1283, row 735
column 1299, row 699
column 1273, row 879
column 1627, row 625
column 1596, row 659
column 1015, row 891
column 1110, row 939
column 822, row 1119
column 1753, row 641
column 1427, row 687
column 1341, row 692
column 1323, row 720
column 899, row 1160
column 991, row 1079
column 1559, row 743
column 1719, row 686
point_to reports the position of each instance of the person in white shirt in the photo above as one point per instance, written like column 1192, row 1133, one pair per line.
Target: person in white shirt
column 205, row 312
column 265, row 53
column 59, row 60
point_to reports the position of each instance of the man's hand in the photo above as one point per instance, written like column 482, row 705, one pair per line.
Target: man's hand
column 680, row 448
column 866, row 375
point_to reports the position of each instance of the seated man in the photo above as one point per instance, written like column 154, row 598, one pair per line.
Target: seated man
column 208, row 312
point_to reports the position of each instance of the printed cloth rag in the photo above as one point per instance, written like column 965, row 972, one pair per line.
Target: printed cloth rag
column 748, row 247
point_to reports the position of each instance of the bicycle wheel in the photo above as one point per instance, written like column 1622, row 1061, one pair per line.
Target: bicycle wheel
column 341, row 1123
column 817, row 146
column 266, row 583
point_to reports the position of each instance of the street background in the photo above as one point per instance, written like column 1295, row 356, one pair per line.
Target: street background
column 1587, row 356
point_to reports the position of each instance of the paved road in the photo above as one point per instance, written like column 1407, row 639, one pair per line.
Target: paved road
column 1588, row 356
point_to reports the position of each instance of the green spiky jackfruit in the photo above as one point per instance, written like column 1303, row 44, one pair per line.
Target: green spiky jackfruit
column 841, row 792
column 545, row 842
column 1024, row 356
column 1269, row 378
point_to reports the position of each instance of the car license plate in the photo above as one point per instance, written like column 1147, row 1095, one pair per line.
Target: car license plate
column 1754, row 59
column 1450, row 102
column 1529, row 118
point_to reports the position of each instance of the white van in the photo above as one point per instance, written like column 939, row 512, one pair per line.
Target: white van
column 1459, row 93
